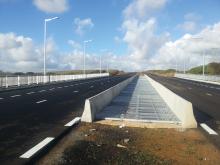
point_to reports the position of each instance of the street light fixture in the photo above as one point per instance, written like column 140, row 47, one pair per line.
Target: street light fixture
column 45, row 39
column 84, row 57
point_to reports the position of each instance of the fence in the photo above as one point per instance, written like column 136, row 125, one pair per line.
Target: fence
column 9, row 81
column 212, row 78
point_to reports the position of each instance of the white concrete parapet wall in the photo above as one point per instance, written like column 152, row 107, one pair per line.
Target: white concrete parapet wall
column 182, row 108
column 96, row 103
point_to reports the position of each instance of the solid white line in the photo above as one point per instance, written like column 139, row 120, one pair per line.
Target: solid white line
column 208, row 129
column 42, row 91
column 74, row 121
column 41, row 101
column 16, row 96
column 75, row 91
column 36, row 148
column 30, row 93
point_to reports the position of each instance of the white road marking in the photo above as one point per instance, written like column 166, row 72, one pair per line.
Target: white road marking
column 75, row 91
column 59, row 87
column 74, row 121
column 66, row 86
column 16, row 96
column 30, row 93
column 208, row 129
column 41, row 101
column 51, row 89
column 209, row 94
column 91, row 86
column 36, row 148
column 1, row 98
column 42, row 91
column 189, row 88
column 71, row 85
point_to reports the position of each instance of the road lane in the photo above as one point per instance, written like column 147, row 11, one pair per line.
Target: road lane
column 23, row 123
column 204, row 97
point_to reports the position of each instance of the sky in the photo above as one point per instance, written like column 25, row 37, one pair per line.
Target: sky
column 130, row 35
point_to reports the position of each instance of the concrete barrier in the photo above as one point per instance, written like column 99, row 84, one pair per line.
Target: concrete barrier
column 182, row 108
column 98, row 102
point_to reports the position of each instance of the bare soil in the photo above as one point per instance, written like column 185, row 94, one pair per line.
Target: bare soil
column 107, row 144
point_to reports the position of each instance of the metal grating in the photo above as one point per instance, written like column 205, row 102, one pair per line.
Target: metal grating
column 139, row 101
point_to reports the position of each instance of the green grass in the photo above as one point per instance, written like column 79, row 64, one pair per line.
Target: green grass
column 211, row 69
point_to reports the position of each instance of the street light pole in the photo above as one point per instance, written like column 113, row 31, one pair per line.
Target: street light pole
column 100, row 65
column 203, row 67
column 45, row 42
column 84, row 57
column 45, row 38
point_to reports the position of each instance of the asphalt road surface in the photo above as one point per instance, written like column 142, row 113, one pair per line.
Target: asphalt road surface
column 27, row 116
column 204, row 97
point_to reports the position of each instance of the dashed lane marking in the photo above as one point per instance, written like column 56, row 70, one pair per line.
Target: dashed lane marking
column 42, row 91
column 91, row 86
column 30, row 93
column 189, row 88
column 36, row 148
column 209, row 94
column 59, row 87
column 15, row 96
column 208, row 129
column 66, row 86
column 73, row 122
column 1, row 98
column 75, row 91
column 51, row 89
column 38, row 102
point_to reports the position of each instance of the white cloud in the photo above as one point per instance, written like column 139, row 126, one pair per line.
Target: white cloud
column 192, row 17
column 190, row 48
column 139, row 31
column 52, row 6
column 74, row 44
column 19, row 53
column 142, row 8
column 191, row 22
column 81, row 25
column 188, row 26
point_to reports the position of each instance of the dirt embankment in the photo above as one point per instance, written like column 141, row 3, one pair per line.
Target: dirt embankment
column 104, row 144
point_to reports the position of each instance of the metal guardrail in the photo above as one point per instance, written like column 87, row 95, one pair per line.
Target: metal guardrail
column 212, row 78
column 8, row 81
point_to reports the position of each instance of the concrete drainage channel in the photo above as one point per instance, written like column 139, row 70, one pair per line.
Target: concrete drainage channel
column 156, row 105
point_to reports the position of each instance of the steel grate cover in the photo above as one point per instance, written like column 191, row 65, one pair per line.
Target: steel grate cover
column 138, row 101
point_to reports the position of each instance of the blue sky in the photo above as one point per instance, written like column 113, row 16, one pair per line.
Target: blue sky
column 138, row 34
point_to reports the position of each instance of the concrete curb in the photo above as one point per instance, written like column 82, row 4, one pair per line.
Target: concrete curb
column 181, row 108
column 98, row 102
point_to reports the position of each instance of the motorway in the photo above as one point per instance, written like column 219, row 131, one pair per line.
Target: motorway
column 27, row 116
column 204, row 97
